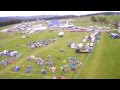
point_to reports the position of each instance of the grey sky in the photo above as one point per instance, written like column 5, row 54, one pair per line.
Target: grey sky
column 32, row 13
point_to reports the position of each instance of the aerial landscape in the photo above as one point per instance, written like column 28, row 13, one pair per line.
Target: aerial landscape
column 60, row 46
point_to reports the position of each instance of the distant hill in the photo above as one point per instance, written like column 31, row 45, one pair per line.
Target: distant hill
column 17, row 19
column 103, row 13
column 45, row 17
column 48, row 17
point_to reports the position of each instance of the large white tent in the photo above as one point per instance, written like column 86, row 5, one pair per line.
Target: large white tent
column 61, row 33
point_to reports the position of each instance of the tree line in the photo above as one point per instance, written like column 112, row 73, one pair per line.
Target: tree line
column 14, row 20
column 104, row 20
column 9, row 22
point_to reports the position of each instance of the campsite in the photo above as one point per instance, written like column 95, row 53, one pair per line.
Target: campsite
column 74, row 48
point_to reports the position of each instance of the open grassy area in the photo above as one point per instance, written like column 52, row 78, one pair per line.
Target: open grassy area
column 102, row 62
column 86, row 21
column 42, row 52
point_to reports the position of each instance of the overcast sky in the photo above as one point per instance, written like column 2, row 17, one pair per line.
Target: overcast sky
column 32, row 13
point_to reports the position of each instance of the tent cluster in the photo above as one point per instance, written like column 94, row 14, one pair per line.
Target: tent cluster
column 41, row 43
column 84, row 46
column 9, row 53
column 18, row 68
column 26, row 28
column 13, row 55
column 72, row 28
column 91, row 28
column 77, row 29
column 66, row 25
column 39, row 61
column 88, row 46
column 74, row 45
column 28, row 70
column 60, row 24
column 74, row 63
column 49, row 65
column 4, row 62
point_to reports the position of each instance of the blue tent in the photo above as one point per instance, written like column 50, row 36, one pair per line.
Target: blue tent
column 16, row 68
column 114, row 35
column 43, row 72
column 53, row 23
column 73, row 67
column 27, row 71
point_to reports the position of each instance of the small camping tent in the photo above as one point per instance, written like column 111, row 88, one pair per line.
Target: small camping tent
column 24, row 36
column 61, row 34
column 73, row 45
column 73, row 67
column 43, row 72
column 16, row 68
column 114, row 35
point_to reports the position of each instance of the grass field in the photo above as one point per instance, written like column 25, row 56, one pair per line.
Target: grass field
column 42, row 52
column 103, row 62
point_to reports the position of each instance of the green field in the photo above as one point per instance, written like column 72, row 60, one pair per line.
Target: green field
column 102, row 63
column 104, row 60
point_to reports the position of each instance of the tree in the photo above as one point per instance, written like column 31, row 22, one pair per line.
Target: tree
column 116, row 25
column 102, row 20
column 93, row 19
